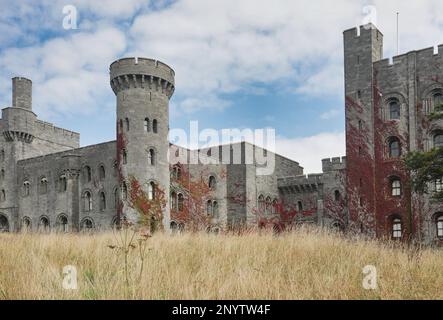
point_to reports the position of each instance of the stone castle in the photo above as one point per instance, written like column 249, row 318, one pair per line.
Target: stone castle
column 49, row 183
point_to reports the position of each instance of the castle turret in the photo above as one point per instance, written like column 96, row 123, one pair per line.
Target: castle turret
column 143, row 88
column 22, row 93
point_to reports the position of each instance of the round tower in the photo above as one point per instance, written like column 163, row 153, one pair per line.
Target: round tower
column 143, row 88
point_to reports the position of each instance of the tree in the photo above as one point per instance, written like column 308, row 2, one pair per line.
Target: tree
column 426, row 167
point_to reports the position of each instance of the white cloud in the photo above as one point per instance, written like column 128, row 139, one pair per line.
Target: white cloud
column 331, row 114
column 309, row 151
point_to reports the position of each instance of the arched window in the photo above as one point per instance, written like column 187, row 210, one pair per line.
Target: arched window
column 2, row 155
column 62, row 223
column 439, row 225
column 2, row 195
column 43, row 185
column 300, row 206
column 151, row 191
column 215, row 209
column 87, row 174
column 394, row 110
column 26, row 188
column 261, row 203
column 151, row 157
column 268, row 204
column 173, row 201
column 26, row 224
column 155, row 126
column 43, row 225
column 102, row 172
column 437, row 100
column 274, row 206
column 438, row 140
column 146, row 125
column 212, row 182
column 124, row 156
column 88, row 201
column 102, row 201
column 87, row 225
column 4, row 224
column 395, row 187
column 124, row 191
column 63, row 183
column 394, row 148
column 209, row 207
column 396, row 229
column 127, row 124
column 180, row 202
column 337, row 196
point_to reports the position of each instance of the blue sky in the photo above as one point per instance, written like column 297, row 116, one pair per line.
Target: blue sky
column 239, row 64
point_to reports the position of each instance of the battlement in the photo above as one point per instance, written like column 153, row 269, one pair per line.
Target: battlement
column 358, row 32
column 332, row 164
column 142, row 73
column 47, row 131
column 302, row 181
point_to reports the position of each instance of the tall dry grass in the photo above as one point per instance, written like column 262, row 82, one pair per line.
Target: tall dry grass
column 305, row 264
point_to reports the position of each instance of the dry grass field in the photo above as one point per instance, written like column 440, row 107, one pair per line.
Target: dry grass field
column 306, row 264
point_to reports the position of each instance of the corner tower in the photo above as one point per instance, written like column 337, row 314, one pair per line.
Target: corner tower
column 362, row 47
column 143, row 88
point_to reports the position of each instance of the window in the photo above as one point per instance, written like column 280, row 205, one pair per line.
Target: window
column 87, row 174
column 2, row 155
column 438, row 140
column 121, row 125
column 274, row 206
column 300, row 206
column 62, row 224
column 358, row 94
column 43, row 225
column 212, row 182
column 124, row 156
column 440, row 226
column 396, row 228
column 87, row 224
column 268, row 205
column 209, row 207
column 146, row 125
column 180, row 202
column 151, row 157
column 43, row 185
column 438, row 185
column 360, row 125
column 154, row 126
column 124, row 191
column 2, row 174
column 396, row 187
column 215, row 209
column 394, row 148
column 337, row 196
column 63, row 184
column 102, row 201
column 127, row 124
column 394, row 110
column 26, row 224
column 437, row 100
column 88, row 201
column 102, row 173
column 26, row 188
column 178, row 173
column 173, row 201
column 151, row 191
column 2, row 195
column 261, row 203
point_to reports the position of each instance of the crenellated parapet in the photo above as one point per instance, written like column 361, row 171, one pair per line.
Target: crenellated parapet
column 334, row 164
column 300, row 184
column 143, row 73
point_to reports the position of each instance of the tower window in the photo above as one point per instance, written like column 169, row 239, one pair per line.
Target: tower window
column 215, row 209
column 63, row 183
column 127, row 124
column 2, row 195
column 124, row 156
column 151, row 157
column 151, row 190
column 300, row 206
column 180, row 202
column 102, row 201
column 87, row 174
column 212, row 182
column 146, row 125
column 359, row 94
column 209, row 208
column 155, row 126
column 102, row 172
column 394, row 110
column 124, row 191
column 26, row 188
column 88, row 201
column 396, row 187
column 43, row 185
column 396, row 229
column 337, row 195
column 394, row 148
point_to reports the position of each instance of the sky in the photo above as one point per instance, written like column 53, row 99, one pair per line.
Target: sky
column 239, row 64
